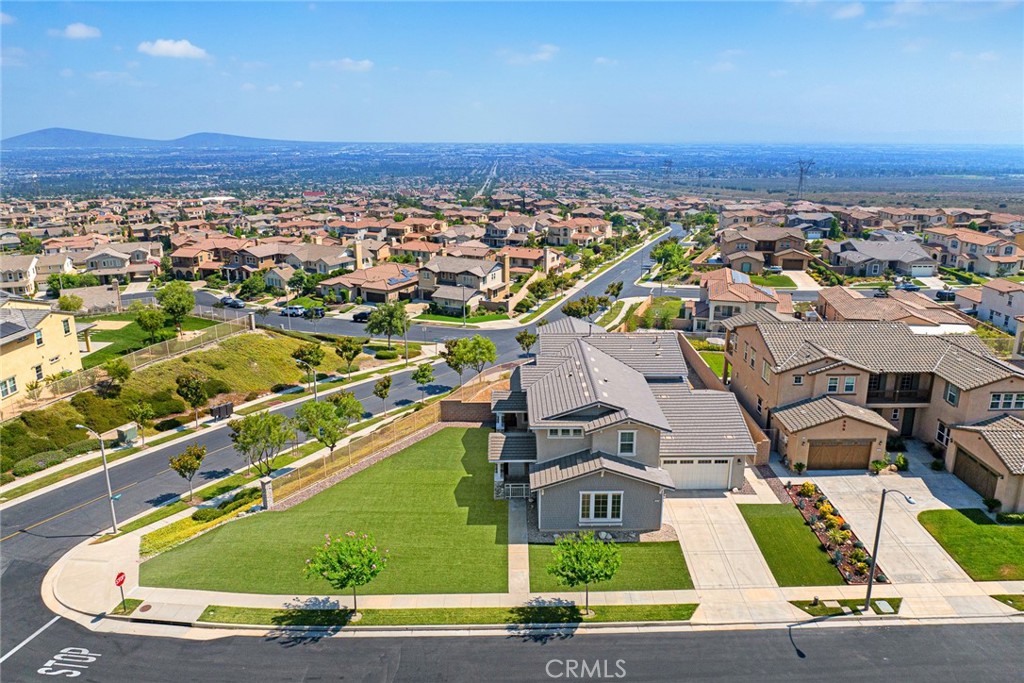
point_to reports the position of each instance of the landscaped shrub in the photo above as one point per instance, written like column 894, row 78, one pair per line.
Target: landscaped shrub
column 895, row 443
column 165, row 403
column 37, row 462
column 1010, row 518
column 102, row 413
column 938, row 465
column 56, row 423
column 83, row 446
column 879, row 465
column 992, row 504
column 214, row 386
column 168, row 424
column 808, row 489
column 385, row 354
column 207, row 514
column 901, row 462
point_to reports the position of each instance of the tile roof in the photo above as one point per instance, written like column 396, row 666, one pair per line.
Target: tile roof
column 814, row 412
column 511, row 447
column 454, row 264
column 1005, row 434
column 651, row 354
column 508, row 402
column 575, row 465
column 703, row 422
column 18, row 323
column 897, row 306
column 568, row 325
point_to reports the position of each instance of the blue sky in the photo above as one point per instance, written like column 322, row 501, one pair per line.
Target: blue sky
column 570, row 72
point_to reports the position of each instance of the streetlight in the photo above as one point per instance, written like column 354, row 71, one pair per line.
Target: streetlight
column 312, row 371
column 878, row 534
column 106, row 473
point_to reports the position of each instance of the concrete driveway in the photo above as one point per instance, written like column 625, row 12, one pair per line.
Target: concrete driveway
column 802, row 280
column 719, row 549
column 907, row 553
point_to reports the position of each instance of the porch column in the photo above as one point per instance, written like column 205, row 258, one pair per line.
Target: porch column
column 498, row 477
column 499, row 424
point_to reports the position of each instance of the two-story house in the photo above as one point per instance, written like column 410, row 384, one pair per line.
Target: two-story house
column 18, row 274
column 751, row 249
column 35, row 342
column 524, row 260
column 1001, row 303
column 973, row 251
column 454, row 283
column 597, row 427
column 725, row 293
column 814, row 225
column 922, row 313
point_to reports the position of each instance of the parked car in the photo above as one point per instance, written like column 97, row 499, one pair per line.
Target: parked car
column 293, row 311
column 361, row 317
column 773, row 270
column 314, row 312
column 234, row 303
column 945, row 295
column 226, row 300
column 908, row 287
column 880, row 294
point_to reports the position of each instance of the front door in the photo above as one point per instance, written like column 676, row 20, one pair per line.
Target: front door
column 745, row 267
column 907, row 426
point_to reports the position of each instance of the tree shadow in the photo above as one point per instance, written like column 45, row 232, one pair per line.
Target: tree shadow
column 436, row 389
column 542, row 620
column 216, row 474
column 163, row 499
column 475, row 491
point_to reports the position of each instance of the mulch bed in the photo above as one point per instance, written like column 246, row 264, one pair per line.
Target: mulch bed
column 845, row 565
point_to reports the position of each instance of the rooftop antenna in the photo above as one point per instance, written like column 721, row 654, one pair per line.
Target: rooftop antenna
column 805, row 168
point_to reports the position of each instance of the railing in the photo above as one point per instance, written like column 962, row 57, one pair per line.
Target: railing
column 517, row 491
column 900, row 395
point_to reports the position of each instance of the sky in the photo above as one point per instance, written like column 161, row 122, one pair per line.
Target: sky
column 674, row 72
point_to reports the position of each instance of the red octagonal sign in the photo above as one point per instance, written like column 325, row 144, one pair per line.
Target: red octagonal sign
column 119, row 579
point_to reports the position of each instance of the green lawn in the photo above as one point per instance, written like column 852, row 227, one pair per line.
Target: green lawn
column 790, row 548
column 1014, row 601
column 611, row 314
column 666, row 304
column 131, row 337
column 715, row 361
column 306, row 301
column 487, row 317
column 567, row 614
column 987, row 551
column 645, row 567
column 820, row 610
column 125, row 608
column 431, row 505
column 773, row 281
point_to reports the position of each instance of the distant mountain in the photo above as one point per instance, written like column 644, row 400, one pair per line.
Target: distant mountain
column 67, row 138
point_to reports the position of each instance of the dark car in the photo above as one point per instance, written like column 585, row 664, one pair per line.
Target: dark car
column 314, row 312
column 945, row 295
column 361, row 317
column 226, row 300
column 235, row 303
column 908, row 287
column 880, row 294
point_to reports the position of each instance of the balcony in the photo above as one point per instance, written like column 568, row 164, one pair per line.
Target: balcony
column 900, row 395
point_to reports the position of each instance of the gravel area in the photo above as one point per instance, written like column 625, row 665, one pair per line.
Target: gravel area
column 774, row 483
column 310, row 491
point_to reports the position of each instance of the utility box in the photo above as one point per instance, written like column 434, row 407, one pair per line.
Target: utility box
column 126, row 434
column 222, row 411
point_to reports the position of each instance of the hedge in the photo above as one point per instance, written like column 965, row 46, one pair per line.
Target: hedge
column 174, row 534
column 385, row 354
column 1010, row 518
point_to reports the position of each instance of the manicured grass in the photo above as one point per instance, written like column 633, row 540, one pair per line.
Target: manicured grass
column 1014, row 601
column 820, row 610
column 306, row 302
column 611, row 314
column 567, row 614
column 125, row 608
column 432, row 505
column 783, row 281
column 645, row 567
column 790, row 548
column 987, row 551
column 715, row 361
column 666, row 304
column 86, row 465
column 131, row 337
column 488, row 317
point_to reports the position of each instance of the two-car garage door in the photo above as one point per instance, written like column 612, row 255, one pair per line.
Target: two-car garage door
column 975, row 474
column 839, row 454
column 698, row 473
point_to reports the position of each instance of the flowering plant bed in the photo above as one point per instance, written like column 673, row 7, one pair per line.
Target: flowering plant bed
column 848, row 554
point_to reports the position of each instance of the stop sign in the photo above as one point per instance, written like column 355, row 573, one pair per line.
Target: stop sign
column 119, row 579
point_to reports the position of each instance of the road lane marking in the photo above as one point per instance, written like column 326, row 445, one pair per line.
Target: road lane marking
column 29, row 639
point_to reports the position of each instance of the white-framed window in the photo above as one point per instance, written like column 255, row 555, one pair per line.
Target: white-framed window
column 1006, row 402
column 67, row 326
column 942, row 434
column 566, row 433
column 895, row 414
column 627, row 442
column 38, row 370
column 760, row 405
column 597, row 507
column 753, row 358
column 8, row 386
column 833, row 385
column 798, row 380
column 952, row 394
column 746, row 351
column 849, row 385
column 39, row 338
column 766, row 371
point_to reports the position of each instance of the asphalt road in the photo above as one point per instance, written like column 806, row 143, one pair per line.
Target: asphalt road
column 37, row 532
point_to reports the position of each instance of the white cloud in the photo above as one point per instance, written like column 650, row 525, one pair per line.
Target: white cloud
column 849, row 11
column 914, row 46
column 6, row 18
column 987, row 56
column 76, row 31
column 179, row 49
column 605, row 61
column 344, row 64
column 543, row 53
column 722, row 67
column 297, row 85
column 13, row 56
column 114, row 78
column 247, row 87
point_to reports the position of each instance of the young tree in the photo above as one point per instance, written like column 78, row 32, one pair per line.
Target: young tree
column 585, row 306
column 150, row 318
column 34, row 388
column 381, row 389
column 252, row 286
column 190, row 388
column 320, row 421
column 581, row 559
column 188, row 464
column 480, row 352
column 347, row 562
column 389, row 319
column 177, row 300
column 614, row 289
column 259, row 437
column 423, row 376
column 348, row 349
column 311, row 354
column 526, row 340
column 118, row 371
column 571, row 250
column 455, row 355
column 140, row 413
column 70, row 303
column 347, row 407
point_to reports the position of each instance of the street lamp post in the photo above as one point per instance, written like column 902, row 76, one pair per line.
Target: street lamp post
column 106, row 473
column 878, row 535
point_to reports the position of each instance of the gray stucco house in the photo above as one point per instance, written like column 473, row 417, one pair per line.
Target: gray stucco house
column 599, row 426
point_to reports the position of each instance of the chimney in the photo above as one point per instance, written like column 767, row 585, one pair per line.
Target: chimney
column 357, row 254
column 547, row 260
column 506, row 269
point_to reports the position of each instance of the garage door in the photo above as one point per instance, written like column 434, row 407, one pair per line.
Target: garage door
column 975, row 474
column 839, row 455
column 792, row 264
column 922, row 271
column 698, row 473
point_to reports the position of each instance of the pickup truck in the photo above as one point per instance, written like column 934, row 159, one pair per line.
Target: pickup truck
column 293, row 311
